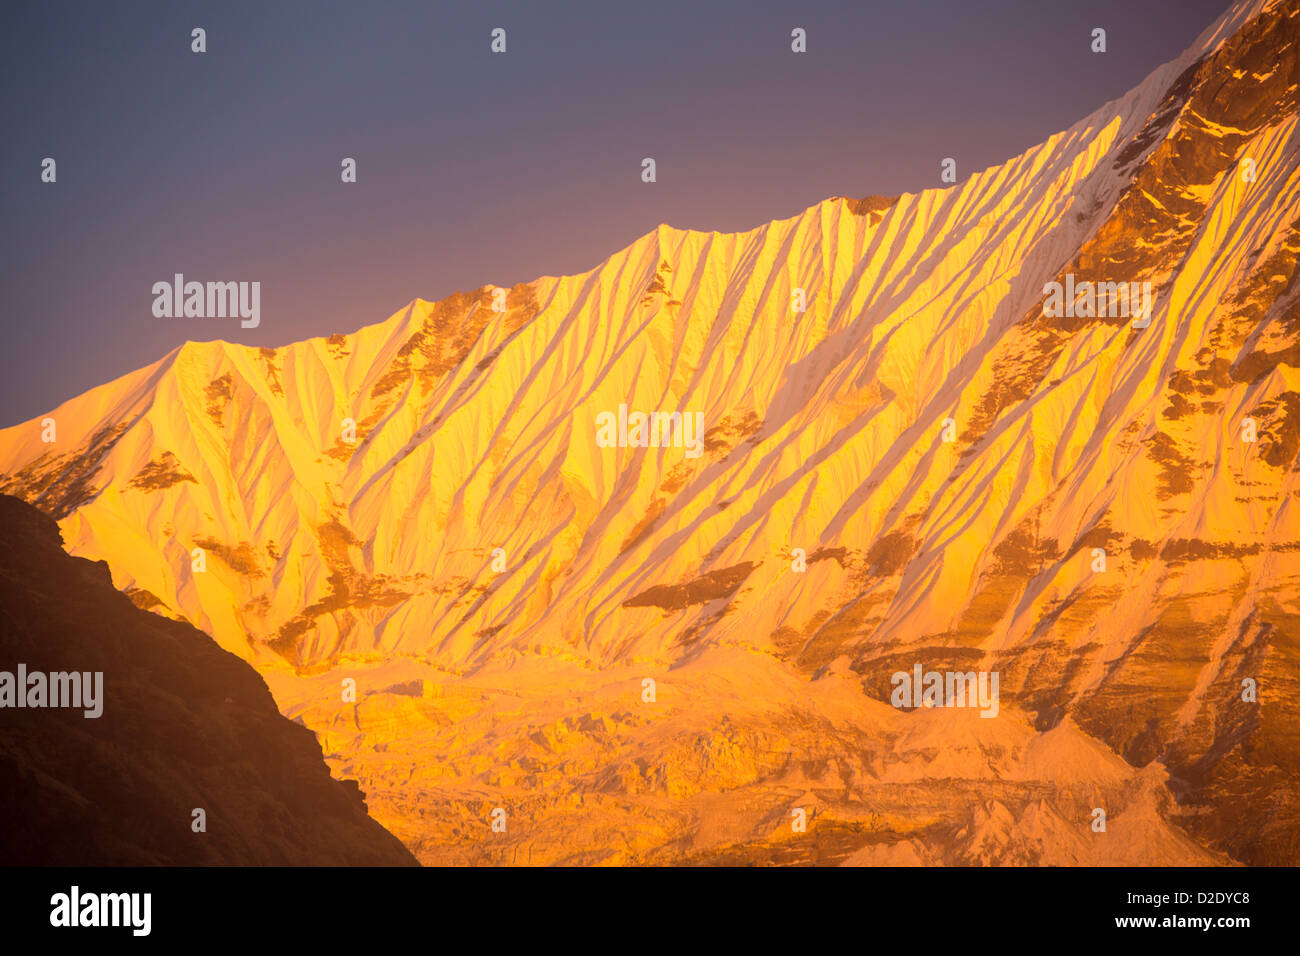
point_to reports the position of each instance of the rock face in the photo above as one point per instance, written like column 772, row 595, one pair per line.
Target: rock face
column 922, row 467
column 184, row 725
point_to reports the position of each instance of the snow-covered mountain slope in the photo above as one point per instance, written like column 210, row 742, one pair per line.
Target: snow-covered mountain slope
column 1106, row 515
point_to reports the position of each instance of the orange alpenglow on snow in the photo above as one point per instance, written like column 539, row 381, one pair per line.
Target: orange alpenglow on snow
column 640, row 655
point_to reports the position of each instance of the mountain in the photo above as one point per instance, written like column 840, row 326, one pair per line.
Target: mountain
column 176, row 725
column 933, row 465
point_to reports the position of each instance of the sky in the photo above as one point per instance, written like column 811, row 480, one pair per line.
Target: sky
column 474, row 167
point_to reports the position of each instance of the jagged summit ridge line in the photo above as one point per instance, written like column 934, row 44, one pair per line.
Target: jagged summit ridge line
column 476, row 431
column 858, row 270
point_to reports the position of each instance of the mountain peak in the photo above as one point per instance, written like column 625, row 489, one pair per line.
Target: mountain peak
column 1042, row 423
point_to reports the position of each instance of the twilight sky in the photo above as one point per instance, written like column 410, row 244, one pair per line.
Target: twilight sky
column 476, row 168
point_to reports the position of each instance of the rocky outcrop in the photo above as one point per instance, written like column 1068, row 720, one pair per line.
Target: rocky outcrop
column 184, row 726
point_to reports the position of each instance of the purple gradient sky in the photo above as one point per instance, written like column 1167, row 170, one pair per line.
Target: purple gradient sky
column 473, row 167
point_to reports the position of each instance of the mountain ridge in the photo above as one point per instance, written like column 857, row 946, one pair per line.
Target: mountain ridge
column 825, row 432
column 181, row 727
